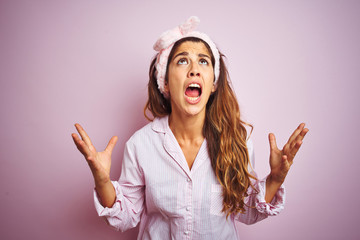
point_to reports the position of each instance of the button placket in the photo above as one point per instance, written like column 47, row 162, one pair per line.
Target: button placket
column 188, row 220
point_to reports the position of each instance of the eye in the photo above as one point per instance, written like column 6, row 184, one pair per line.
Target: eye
column 203, row 62
column 182, row 61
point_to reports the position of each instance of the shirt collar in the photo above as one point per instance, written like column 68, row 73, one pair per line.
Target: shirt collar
column 160, row 125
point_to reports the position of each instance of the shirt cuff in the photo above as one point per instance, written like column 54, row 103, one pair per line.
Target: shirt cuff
column 115, row 209
column 276, row 205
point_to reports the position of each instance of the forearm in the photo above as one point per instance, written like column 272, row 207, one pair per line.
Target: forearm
column 106, row 193
column 272, row 186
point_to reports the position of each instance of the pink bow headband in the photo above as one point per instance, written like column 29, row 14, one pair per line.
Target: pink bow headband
column 166, row 42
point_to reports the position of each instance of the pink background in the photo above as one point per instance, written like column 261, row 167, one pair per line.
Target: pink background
column 87, row 61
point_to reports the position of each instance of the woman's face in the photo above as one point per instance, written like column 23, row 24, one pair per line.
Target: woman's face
column 190, row 79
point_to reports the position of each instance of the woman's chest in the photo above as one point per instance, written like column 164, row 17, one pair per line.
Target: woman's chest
column 173, row 191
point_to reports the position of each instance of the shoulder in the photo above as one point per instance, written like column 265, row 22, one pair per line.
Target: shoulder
column 145, row 144
column 149, row 133
column 250, row 148
column 141, row 134
column 250, row 145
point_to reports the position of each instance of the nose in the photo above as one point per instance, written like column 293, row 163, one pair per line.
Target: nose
column 194, row 71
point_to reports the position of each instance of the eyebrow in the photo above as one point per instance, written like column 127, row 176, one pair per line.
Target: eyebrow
column 186, row 54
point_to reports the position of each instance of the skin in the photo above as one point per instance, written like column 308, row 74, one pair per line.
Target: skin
column 282, row 159
column 99, row 163
column 191, row 63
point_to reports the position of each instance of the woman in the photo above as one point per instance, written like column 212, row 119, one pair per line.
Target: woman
column 187, row 174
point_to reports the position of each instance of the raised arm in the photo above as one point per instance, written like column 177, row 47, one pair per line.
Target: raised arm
column 99, row 163
column 281, row 160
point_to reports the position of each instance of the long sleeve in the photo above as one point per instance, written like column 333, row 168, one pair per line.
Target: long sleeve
column 258, row 208
column 179, row 203
column 129, row 203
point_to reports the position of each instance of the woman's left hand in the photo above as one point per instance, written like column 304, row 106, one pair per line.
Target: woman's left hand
column 281, row 160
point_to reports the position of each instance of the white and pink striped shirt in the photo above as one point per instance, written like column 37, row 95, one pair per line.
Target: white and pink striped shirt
column 157, row 189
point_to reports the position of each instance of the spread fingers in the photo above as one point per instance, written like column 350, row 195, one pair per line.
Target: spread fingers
column 83, row 135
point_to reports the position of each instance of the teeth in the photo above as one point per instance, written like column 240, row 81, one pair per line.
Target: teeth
column 193, row 98
column 194, row 85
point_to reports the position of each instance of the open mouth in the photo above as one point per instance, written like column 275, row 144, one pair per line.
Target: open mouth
column 193, row 91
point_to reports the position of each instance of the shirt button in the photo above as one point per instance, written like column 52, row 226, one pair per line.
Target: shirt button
column 187, row 208
column 188, row 179
column 186, row 233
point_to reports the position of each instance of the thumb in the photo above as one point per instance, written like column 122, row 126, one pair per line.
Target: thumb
column 109, row 148
column 272, row 142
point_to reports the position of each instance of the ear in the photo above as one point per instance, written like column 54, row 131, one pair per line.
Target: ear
column 166, row 87
column 213, row 88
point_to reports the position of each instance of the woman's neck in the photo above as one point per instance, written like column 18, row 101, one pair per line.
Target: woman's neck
column 187, row 128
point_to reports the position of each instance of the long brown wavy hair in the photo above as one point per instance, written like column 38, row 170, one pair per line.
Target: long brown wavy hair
column 223, row 129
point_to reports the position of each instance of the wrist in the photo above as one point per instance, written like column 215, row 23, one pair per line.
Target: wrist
column 106, row 193
column 272, row 186
column 274, row 179
column 102, row 183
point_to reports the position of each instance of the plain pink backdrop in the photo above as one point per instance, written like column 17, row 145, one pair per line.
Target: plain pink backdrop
column 63, row 62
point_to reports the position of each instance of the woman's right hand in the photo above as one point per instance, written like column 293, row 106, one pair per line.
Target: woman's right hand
column 99, row 162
